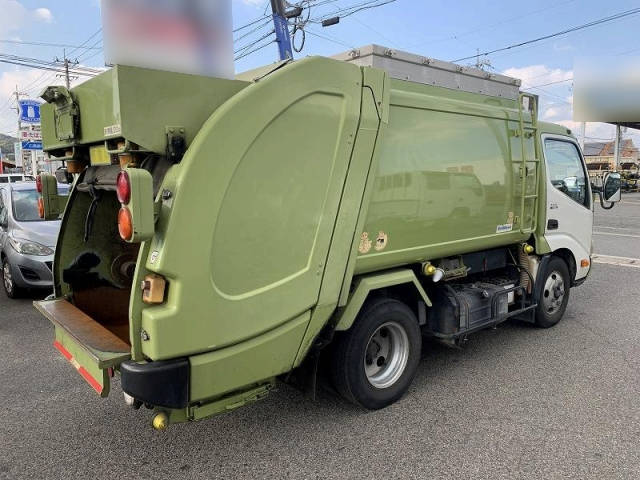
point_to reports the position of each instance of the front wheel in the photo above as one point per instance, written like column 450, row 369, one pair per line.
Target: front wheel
column 7, row 280
column 554, row 294
column 373, row 363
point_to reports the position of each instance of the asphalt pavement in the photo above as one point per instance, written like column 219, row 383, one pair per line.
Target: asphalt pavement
column 516, row 402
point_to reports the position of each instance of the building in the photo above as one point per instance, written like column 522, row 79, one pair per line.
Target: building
column 601, row 155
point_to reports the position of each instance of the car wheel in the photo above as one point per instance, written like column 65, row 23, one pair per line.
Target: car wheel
column 373, row 363
column 554, row 294
column 8, row 281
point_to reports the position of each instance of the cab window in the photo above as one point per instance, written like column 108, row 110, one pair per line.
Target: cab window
column 566, row 171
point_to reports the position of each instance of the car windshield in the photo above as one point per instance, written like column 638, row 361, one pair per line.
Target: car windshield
column 25, row 205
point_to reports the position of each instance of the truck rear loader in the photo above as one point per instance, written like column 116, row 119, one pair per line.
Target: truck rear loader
column 223, row 234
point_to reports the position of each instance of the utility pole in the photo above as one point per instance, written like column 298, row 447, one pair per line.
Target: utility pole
column 282, row 29
column 617, row 148
column 19, row 94
column 67, row 77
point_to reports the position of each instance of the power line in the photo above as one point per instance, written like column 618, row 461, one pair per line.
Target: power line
column 328, row 38
column 593, row 23
column 39, row 44
column 82, row 45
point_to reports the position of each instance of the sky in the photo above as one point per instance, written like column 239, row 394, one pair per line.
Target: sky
column 440, row 29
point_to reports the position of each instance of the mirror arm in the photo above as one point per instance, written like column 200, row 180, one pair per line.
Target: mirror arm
column 600, row 192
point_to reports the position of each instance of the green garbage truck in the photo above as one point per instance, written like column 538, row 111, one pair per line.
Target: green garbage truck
column 222, row 235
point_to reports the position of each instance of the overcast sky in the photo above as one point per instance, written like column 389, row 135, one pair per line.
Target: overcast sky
column 436, row 28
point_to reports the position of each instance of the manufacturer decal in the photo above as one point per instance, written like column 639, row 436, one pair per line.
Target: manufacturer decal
column 507, row 227
column 365, row 243
column 553, row 206
column 112, row 130
column 154, row 256
column 381, row 241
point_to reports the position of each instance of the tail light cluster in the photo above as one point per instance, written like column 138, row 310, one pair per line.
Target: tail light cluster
column 125, row 219
column 40, row 199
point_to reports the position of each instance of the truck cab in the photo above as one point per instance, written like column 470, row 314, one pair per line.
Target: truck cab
column 218, row 241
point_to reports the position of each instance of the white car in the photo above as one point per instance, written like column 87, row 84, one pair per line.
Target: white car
column 15, row 177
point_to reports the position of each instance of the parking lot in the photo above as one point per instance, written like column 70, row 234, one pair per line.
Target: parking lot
column 516, row 402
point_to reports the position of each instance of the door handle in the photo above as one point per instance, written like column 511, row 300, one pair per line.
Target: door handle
column 552, row 224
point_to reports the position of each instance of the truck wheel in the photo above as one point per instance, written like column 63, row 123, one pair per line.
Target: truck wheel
column 375, row 361
column 7, row 280
column 554, row 295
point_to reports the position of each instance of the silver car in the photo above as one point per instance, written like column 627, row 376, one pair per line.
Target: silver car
column 27, row 242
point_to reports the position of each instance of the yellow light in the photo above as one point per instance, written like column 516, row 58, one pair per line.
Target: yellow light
column 429, row 269
column 584, row 263
column 160, row 421
column 528, row 248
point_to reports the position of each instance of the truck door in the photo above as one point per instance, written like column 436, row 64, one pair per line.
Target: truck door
column 569, row 215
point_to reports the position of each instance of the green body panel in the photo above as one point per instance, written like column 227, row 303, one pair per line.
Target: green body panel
column 445, row 177
column 137, row 104
column 257, row 265
column 374, row 281
column 226, row 370
column 342, row 244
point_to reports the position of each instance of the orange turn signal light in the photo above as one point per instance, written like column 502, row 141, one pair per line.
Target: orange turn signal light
column 584, row 263
column 40, row 207
column 125, row 224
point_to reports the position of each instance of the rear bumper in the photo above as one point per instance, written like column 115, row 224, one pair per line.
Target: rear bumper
column 161, row 384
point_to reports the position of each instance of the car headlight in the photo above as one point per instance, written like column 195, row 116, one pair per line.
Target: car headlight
column 27, row 247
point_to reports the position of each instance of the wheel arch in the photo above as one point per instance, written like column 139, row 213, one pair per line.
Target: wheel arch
column 571, row 261
column 401, row 283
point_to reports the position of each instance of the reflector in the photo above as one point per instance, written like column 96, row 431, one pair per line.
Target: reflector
column 123, row 187
column 125, row 224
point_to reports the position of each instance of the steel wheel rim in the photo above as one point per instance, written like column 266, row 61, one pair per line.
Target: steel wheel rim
column 6, row 277
column 553, row 293
column 386, row 355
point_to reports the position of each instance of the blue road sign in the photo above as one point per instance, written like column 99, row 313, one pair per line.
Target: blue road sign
column 29, row 111
column 32, row 145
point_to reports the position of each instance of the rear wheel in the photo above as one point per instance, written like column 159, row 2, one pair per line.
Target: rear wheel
column 375, row 361
column 554, row 295
column 8, row 281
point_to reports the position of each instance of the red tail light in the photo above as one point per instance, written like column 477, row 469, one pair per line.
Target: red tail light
column 123, row 188
column 39, row 184
column 125, row 224
column 40, row 207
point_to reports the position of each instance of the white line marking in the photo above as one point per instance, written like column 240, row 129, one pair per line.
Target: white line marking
column 616, row 234
column 619, row 261
column 618, row 228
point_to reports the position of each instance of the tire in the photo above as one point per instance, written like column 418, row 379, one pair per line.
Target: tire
column 554, row 294
column 8, row 282
column 373, row 363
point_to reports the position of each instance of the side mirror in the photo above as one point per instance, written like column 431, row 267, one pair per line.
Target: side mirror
column 611, row 187
column 52, row 204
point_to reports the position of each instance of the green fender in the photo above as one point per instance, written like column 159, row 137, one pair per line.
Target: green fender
column 375, row 281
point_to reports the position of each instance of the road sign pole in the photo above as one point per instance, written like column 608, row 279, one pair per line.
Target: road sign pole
column 282, row 30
